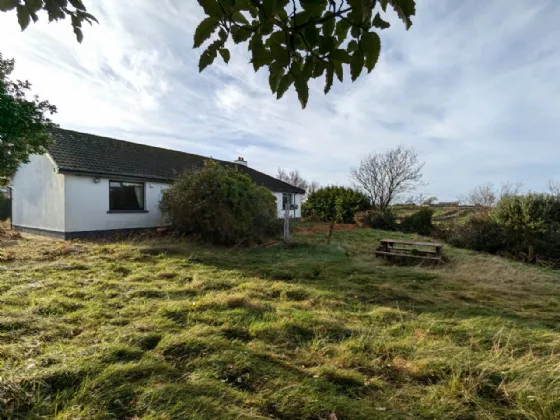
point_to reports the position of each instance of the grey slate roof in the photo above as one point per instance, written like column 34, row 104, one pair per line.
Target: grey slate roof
column 82, row 153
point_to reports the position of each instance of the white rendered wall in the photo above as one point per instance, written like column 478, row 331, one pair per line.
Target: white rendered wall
column 38, row 195
column 293, row 213
column 87, row 206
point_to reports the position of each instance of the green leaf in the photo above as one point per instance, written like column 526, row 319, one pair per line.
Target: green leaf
column 380, row 23
column 240, row 34
column 319, row 68
column 311, row 34
column 314, row 7
column 280, row 54
column 326, row 44
column 338, row 70
column 352, row 46
column 340, row 55
column 342, row 28
column 302, row 88
column 79, row 34
column 357, row 64
column 239, row 18
column 284, row 85
column 329, row 79
column 211, row 8
column 309, row 66
column 269, row 7
column 267, row 26
column 301, row 18
column 208, row 56
column 205, row 29
column 276, row 74
column 261, row 59
column 36, row 5
column 6, row 5
column 278, row 37
column 404, row 8
column 224, row 52
column 371, row 45
column 328, row 25
column 23, row 17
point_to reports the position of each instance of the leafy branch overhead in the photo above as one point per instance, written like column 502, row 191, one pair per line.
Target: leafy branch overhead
column 27, row 11
column 299, row 40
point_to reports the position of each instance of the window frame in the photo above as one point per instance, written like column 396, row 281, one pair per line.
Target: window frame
column 121, row 181
column 292, row 200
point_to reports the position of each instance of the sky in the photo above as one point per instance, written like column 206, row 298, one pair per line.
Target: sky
column 472, row 86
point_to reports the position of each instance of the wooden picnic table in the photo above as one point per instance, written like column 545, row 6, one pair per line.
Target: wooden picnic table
column 409, row 249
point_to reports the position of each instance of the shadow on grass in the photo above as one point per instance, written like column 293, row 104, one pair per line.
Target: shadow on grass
column 350, row 273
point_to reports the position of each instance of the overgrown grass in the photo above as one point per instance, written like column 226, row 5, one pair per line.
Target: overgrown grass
column 166, row 329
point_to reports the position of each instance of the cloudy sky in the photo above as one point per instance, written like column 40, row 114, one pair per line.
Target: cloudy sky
column 473, row 86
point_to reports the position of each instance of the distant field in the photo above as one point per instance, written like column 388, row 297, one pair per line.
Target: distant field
column 162, row 329
column 440, row 213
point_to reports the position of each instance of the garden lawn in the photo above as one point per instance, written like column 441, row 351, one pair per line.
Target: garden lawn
column 164, row 329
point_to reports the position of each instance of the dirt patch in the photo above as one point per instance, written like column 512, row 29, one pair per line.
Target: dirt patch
column 324, row 228
column 7, row 235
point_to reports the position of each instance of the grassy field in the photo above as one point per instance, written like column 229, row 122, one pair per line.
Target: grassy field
column 161, row 329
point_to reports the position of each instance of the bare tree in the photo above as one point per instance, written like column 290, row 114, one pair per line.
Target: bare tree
column 510, row 189
column 554, row 187
column 487, row 195
column 293, row 177
column 385, row 176
column 313, row 186
column 483, row 195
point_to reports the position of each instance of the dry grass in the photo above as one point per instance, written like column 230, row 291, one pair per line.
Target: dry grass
column 157, row 328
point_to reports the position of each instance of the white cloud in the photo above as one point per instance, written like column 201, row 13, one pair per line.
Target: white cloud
column 472, row 88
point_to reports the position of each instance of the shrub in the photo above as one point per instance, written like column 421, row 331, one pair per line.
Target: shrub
column 479, row 233
column 220, row 205
column 384, row 220
column 338, row 204
column 418, row 222
column 531, row 224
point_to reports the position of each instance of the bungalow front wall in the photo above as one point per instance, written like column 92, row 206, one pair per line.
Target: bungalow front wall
column 66, row 205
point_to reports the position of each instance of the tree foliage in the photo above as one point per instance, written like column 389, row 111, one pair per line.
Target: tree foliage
column 299, row 41
column 220, row 205
column 28, row 10
column 385, row 176
column 336, row 204
column 24, row 122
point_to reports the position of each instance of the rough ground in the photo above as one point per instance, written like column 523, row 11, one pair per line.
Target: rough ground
column 161, row 329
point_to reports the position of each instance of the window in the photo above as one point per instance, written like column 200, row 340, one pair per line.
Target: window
column 126, row 196
column 287, row 201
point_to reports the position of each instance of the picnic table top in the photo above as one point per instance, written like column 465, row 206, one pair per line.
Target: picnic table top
column 397, row 241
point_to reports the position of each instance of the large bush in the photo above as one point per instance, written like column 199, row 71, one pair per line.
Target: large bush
column 220, row 205
column 418, row 222
column 376, row 219
column 338, row 204
column 531, row 224
column 526, row 227
column 480, row 233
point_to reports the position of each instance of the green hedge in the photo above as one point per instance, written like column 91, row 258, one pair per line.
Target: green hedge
column 338, row 204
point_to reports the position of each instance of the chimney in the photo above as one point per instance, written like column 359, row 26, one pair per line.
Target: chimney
column 240, row 161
